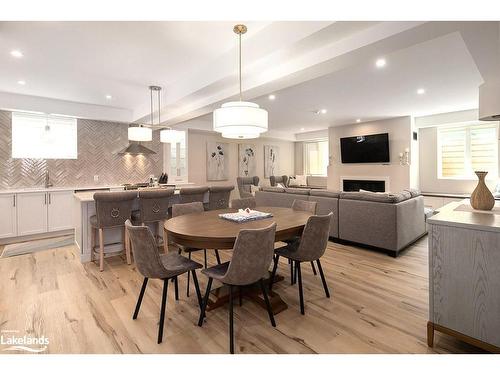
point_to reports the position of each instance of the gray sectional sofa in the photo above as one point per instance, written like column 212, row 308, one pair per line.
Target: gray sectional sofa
column 386, row 221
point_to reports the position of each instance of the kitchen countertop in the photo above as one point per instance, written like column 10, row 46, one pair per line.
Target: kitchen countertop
column 480, row 220
column 57, row 188
column 37, row 189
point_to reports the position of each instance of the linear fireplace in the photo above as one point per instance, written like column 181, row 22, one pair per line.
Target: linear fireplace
column 356, row 185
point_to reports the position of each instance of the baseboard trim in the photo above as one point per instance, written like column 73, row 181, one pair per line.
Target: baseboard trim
column 38, row 236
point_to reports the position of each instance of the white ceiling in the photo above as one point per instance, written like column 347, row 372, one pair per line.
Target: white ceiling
column 85, row 61
column 442, row 66
column 70, row 67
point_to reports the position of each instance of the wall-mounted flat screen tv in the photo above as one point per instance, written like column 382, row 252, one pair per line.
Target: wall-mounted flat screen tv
column 365, row 149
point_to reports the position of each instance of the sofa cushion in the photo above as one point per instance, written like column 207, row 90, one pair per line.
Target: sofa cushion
column 274, row 189
column 376, row 197
column 297, row 191
column 325, row 193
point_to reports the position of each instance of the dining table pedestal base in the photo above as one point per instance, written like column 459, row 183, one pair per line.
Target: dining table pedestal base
column 220, row 296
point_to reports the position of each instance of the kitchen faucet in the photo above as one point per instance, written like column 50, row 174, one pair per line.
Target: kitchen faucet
column 48, row 184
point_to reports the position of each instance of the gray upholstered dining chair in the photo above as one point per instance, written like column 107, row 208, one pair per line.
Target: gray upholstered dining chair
column 243, row 203
column 185, row 209
column 311, row 247
column 152, row 265
column 307, row 206
column 244, row 185
column 218, row 197
column 153, row 207
column 273, row 180
column 192, row 194
column 112, row 210
column 252, row 256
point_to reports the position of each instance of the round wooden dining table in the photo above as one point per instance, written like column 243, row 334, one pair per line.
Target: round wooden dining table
column 206, row 230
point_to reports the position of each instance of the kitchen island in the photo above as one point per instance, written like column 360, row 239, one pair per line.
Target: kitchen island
column 84, row 208
column 464, row 274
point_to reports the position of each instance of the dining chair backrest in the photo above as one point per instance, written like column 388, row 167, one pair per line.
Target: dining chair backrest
column 314, row 238
column 243, row 203
column 244, row 185
column 192, row 194
column 187, row 208
column 218, row 197
column 307, row 206
column 153, row 204
column 145, row 252
column 252, row 255
column 113, row 208
column 273, row 180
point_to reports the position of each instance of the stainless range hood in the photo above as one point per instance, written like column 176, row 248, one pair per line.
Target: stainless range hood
column 135, row 148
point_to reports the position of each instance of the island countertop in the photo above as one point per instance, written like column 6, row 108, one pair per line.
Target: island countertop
column 460, row 214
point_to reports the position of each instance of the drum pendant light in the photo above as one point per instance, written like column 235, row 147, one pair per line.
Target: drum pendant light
column 240, row 119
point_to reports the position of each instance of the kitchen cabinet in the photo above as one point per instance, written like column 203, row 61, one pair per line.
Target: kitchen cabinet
column 8, row 224
column 59, row 210
column 31, row 213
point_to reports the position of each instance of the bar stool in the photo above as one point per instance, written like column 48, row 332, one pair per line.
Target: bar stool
column 192, row 194
column 153, row 207
column 218, row 197
column 112, row 210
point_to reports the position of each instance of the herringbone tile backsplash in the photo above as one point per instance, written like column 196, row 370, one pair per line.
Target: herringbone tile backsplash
column 98, row 145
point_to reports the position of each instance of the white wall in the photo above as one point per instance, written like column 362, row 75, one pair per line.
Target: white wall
column 399, row 130
column 197, row 155
column 429, row 181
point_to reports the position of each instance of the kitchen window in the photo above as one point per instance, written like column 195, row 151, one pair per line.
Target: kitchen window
column 40, row 136
column 465, row 149
column 175, row 159
column 316, row 158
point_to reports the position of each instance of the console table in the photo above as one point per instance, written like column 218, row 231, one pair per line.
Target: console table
column 464, row 275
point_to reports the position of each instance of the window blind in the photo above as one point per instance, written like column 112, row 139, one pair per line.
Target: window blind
column 465, row 149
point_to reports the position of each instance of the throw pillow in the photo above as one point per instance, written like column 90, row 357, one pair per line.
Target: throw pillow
column 280, row 185
column 253, row 189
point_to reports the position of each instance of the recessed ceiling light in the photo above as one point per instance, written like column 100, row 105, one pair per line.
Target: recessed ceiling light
column 16, row 53
column 21, row 82
column 272, row 97
column 358, row 120
column 109, row 97
column 421, row 91
column 302, row 129
column 323, row 111
column 380, row 63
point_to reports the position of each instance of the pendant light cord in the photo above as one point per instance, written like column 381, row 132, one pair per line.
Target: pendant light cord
column 151, row 93
column 241, row 97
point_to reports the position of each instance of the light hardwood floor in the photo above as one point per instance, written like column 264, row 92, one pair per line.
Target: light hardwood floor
column 378, row 305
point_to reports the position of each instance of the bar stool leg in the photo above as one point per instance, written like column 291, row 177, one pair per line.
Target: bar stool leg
column 101, row 250
column 92, row 243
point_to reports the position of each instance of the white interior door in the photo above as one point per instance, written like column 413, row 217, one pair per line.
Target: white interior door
column 31, row 213
column 8, row 223
column 60, row 214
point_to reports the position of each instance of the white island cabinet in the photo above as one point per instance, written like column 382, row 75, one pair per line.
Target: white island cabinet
column 464, row 275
